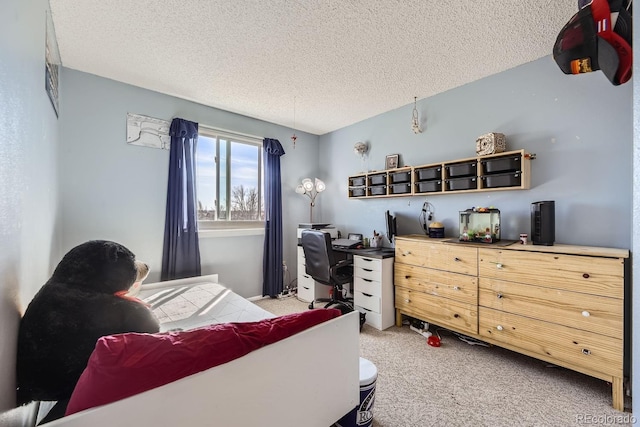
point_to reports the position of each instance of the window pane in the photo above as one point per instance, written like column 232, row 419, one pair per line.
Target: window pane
column 229, row 185
column 245, row 197
column 222, row 189
column 206, row 178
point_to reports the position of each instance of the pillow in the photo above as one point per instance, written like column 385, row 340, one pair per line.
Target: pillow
column 126, row 364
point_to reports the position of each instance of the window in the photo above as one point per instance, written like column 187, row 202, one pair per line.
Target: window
column 229, row 185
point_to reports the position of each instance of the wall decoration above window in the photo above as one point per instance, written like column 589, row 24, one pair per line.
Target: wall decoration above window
column 148, row 131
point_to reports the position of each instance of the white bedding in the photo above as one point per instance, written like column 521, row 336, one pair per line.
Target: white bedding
column 192, row 305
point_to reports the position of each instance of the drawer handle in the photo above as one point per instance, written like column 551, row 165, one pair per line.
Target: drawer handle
column 585, row 275
column 498, row 265
column 586, row 351
column 456, row 288
column 406, row 253
column 456, row 259
column 367, row 269
column 586, row 313
column 367, row 259
column 367, row 295
column 499, row 295
column 407, row 300
column 407, row 277
column 367, row 280
column 363, row 308
column 499, row 327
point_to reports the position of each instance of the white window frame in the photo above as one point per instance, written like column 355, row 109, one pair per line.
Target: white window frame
column 232, row 227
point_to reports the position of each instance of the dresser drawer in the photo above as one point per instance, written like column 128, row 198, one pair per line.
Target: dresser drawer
column 441, row 311
column 365, row 273
column 454, row 258
column 592, row 313
column 368, row 301
column 576, row 348
column 366, row 286
column 306, row 289
column 366, row 263
column 372, row 318
column 586, row 274
column 459, row 287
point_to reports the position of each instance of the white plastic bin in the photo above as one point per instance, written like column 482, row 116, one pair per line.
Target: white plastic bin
column 362, row 415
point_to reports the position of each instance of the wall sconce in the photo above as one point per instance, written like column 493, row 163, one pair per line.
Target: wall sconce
column 311, row 190
column 415, row 122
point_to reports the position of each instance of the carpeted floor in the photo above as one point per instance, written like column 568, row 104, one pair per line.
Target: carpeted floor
column 459, row 384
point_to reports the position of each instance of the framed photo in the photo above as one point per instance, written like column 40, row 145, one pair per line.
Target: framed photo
column 52, row 64
column 391, row 161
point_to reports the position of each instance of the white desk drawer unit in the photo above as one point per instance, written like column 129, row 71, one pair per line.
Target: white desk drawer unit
column 308, row 290
column 373, row 290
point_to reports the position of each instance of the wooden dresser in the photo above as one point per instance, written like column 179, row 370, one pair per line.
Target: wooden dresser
column 562, row 304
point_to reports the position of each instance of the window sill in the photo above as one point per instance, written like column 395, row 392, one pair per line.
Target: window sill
column 230, row 232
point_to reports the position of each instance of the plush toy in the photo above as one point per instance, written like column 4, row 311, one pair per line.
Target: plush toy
column 85, row 299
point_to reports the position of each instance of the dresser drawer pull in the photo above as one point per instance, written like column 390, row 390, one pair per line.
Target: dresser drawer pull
column 367, row 280
column 407, row 277
column 367, row 259
column 585, row 275
column 367, row 269
column 499, row 327
column 456, row 288
column 498, row 265
column 407, row 300
column 499, row 295
column 586, row 351
column 406, row 253
column 586, row 313
column 456, row 259
column 367, row 295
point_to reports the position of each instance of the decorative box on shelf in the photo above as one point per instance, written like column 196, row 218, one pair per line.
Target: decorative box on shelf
column 491, row 143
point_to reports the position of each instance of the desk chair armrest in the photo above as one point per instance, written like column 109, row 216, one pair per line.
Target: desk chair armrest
column 343, row 263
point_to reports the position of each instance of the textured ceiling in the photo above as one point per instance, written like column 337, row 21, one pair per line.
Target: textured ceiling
column 325, row 64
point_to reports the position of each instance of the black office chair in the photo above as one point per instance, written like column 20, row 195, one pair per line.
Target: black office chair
column 324, row 267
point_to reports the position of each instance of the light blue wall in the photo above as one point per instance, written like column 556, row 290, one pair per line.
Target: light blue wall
column 112, row 190
column 580, row 128
column 28, row 182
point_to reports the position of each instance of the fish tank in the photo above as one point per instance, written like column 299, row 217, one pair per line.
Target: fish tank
column 480, row 225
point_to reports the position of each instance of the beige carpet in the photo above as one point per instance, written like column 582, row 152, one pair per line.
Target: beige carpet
column 459, row 384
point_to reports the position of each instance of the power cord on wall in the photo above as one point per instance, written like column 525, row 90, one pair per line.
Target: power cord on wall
column 426, row 215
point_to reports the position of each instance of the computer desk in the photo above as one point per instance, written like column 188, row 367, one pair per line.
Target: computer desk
column 379, row 253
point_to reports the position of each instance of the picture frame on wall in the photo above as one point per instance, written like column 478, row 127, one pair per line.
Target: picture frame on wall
column 53, row 64
column 391, row 161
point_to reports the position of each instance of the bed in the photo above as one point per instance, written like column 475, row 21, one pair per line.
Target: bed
column 310, row 378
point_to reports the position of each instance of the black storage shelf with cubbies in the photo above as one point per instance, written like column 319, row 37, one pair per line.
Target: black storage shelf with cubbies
column 502, row 171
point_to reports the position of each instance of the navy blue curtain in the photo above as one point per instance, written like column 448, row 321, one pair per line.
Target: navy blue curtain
column 181, row 253
column 272, row 261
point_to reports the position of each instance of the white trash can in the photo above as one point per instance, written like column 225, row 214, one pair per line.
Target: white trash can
column 362, row 415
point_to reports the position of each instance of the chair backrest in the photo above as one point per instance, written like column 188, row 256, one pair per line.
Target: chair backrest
column 318, row 254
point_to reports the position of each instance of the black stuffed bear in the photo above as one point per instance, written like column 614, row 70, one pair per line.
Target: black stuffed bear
column 84, row 300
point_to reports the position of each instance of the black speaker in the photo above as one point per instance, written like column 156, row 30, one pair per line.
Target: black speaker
column 543, row 223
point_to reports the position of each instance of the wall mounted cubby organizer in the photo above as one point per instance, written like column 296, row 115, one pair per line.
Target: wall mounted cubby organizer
column 503, row 171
